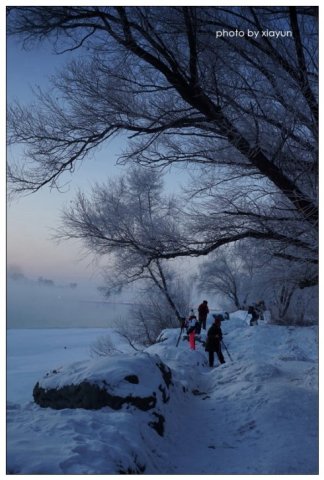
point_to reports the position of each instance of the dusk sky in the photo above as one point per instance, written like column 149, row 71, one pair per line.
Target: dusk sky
column 31, row 219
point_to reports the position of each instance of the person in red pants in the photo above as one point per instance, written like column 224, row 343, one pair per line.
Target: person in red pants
column 191, row 330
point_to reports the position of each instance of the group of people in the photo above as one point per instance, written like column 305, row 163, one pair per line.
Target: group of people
column 214, row 334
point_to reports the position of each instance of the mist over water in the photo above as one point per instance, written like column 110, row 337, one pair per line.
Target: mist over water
column 39, row 304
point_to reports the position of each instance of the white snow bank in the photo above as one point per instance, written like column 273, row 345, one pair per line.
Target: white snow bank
column 70, row 441
column 257, row 414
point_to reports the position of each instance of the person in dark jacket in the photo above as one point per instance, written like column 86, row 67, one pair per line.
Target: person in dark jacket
column 254, row 315
column 214, row 339
column 203, row 311
column 260, row 308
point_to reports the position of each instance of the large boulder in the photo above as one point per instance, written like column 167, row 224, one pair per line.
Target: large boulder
column 140, row 380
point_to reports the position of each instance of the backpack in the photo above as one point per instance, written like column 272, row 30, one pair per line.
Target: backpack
column 194, row 328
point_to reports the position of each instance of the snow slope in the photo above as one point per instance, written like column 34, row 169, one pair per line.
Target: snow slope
column 257, row 414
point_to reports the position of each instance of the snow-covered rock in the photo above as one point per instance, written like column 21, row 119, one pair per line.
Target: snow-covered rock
column 141, row 380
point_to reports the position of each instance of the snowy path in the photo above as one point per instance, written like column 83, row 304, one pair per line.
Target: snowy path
column 242, row 418
column 209, row 438
column 255, row 415
column 202, row 439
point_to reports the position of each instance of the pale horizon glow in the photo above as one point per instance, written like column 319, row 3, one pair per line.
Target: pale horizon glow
column 32, row 219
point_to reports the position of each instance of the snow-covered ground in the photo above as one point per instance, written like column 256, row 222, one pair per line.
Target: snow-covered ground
column 256, row 414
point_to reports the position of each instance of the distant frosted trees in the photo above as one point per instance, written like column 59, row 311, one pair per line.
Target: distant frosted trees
column 228, row 273
column 243, row 274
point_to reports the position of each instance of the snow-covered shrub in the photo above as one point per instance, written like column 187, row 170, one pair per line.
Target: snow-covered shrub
column 156, row 311
column 114, row 342
column 148, row 320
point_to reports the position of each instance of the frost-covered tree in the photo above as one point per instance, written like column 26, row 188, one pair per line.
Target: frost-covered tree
column 126, row 221
column 241, row 111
